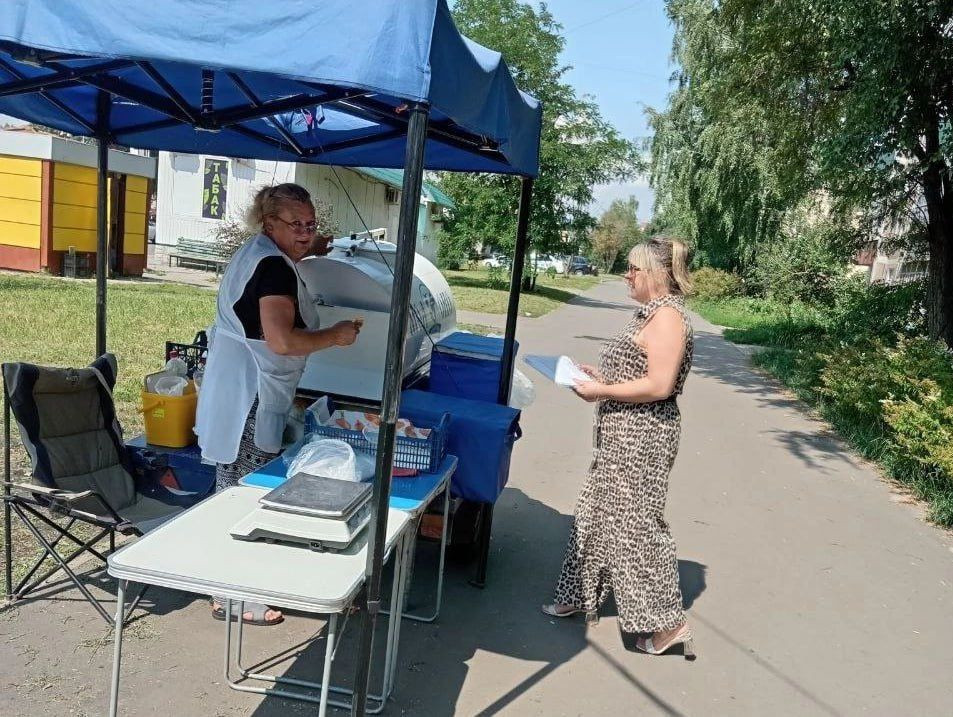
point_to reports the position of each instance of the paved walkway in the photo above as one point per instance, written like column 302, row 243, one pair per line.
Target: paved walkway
column 813, row 587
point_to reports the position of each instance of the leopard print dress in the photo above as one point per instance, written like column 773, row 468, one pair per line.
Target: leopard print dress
column 620, row 541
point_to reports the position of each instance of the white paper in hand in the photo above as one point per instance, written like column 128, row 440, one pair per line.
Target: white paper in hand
column 562, row 370
column 567, row 372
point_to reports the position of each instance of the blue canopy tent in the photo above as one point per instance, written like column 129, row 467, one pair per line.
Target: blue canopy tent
column 373, row 84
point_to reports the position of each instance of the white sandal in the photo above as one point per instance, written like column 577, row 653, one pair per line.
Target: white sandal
column 592, row 617
column 683, row 637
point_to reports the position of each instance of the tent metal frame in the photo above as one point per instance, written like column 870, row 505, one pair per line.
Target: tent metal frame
column 410, row 119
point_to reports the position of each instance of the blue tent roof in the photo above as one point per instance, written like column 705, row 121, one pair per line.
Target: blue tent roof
column 324, row 82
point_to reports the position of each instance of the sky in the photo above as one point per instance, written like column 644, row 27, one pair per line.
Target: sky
column 619, row 51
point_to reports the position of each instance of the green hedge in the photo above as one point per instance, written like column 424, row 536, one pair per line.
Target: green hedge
column 864, row 364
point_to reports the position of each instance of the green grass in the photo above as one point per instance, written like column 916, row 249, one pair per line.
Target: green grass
column 481, row 329
column 51, row 321
column 761, row 322
column 471, row 292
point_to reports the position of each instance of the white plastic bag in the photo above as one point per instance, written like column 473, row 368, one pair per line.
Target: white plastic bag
column 523, row 393
column 326, row 457
column 170, row 385
column 366, row 465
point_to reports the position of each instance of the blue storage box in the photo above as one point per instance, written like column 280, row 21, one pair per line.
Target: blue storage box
column 468, row 366
column 480, row 434
column 191, row 473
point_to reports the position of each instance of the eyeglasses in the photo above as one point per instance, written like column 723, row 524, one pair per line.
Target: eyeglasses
column 299, row 228
column 633, row 269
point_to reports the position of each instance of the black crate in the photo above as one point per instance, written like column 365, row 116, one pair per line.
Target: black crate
column 190, row 353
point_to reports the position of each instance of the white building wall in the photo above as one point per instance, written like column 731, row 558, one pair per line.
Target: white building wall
column 335, row 185
column 328, row 185
column 179, row 199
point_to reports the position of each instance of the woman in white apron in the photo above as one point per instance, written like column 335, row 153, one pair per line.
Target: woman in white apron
column 265, row 328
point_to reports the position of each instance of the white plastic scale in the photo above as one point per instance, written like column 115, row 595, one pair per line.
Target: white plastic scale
column 323, row 514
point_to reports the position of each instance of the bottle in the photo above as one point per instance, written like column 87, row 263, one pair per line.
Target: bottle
column 199, row 374
column 176, row 366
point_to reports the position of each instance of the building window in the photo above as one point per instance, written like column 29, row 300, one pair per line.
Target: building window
column 392, row 195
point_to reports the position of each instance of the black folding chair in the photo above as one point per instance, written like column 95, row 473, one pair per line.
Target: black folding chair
column 80, row 468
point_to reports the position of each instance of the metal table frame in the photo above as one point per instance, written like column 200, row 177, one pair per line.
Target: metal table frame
column 333, row 642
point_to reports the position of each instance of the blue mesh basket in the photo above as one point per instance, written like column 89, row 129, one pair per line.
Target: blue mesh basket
column 424, row 454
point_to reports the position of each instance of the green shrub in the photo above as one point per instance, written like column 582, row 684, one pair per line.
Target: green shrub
column 860, row 309
column 713, row 284
column 452, row 251
column 806, row 263
column 497, row 278
column 920, row 416
column 894, row 403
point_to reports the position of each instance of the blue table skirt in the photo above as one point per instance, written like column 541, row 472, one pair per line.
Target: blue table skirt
column 409, row 494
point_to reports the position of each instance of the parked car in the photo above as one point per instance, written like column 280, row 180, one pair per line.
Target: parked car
column 547, row 261
column 496, row 260
column 580, row 265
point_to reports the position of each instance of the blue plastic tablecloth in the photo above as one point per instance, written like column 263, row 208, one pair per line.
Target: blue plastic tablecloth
column 408, row 494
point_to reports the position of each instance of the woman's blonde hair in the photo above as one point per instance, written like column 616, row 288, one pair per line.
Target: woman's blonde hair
column 269, row 201
column 666, row 258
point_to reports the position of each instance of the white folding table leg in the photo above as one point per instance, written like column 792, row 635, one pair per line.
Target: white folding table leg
column 117, row 648
column 440, row 566
column 395, row 592
column 328, row 657
column 405, row 559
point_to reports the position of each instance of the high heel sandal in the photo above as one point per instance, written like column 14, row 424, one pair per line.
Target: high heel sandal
column 683, row 637
column 592, row 616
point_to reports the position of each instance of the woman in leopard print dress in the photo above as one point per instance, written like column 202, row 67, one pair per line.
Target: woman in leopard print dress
column 620, row 541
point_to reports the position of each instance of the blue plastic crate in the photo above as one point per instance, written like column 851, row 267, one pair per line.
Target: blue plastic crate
column 423, row 454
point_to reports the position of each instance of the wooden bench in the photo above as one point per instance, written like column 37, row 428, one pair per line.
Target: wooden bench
column 195, row 252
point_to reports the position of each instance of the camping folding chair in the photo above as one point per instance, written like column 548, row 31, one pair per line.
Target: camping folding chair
column 80, row 468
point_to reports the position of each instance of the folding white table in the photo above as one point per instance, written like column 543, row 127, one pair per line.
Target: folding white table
column 412, row 495
column 195, row 552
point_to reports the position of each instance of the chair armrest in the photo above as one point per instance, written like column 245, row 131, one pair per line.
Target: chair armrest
column 61, row 501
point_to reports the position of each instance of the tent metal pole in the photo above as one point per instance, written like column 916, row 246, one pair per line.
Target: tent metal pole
column 507, row 361
column 8, row 547
column 516, row 280
column 102, row 223
column 390, row 403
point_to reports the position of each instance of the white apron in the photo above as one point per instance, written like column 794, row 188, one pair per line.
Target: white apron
column 240, row 368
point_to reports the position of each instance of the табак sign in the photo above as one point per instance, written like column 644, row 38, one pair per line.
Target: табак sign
column 215, row 189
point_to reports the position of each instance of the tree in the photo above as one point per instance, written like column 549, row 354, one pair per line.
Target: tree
column 578, row 150
column 849, row 100
column 873, row 79
column 616, row 233
column 714, row 165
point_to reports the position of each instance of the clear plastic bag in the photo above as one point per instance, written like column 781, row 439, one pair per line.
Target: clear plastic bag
column 522, row 393
column 170, row 385
column 326, row 457
column 366, row 463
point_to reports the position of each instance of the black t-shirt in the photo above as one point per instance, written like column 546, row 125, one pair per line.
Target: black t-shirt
column 273, row 277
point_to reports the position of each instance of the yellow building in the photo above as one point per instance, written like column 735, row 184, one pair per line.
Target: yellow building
column 48, row 204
